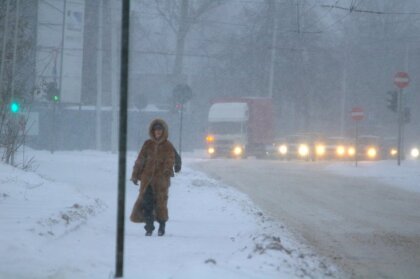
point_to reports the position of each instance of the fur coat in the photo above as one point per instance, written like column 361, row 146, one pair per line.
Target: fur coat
column 154, row 168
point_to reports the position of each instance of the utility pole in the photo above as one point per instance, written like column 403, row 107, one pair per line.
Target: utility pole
column 63, row 35
column 98, row 129
column 403, row 103
column 114, row 76
column 298, row 16
column 180, row 40
column 400, row 126
column 303, row 58
column 273, row 50
column 3, row 50
column 63, row 30
column 15, row 43
column 343, row 112
column 181, row 120
column 122, row 148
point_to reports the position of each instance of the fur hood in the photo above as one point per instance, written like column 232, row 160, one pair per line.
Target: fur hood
column 165, row 133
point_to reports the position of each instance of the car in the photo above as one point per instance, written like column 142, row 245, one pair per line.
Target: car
column 278, row 150
column 389, row 148
column 415, row 152
column 308, row 146
column 369, row 147
column 340, row 148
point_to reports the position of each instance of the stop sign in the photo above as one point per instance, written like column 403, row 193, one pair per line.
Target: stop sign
column 401, row 80
column 357, row 114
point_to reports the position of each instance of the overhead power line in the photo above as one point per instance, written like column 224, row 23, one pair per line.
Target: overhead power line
column 354, row 9
column 319, row 19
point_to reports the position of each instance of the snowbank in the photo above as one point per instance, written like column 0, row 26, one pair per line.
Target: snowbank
column 406, row 176
column 60, row 223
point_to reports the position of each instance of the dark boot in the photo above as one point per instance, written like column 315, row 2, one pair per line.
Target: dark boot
column 150, row 227
column 161, row 230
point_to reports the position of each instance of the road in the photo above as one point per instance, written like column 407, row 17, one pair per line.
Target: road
column 368, row 229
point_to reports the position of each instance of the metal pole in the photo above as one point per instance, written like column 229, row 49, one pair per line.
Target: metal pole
column 15, row 43
column 403, row 130
column 400, row 123
column 98, row 129
column 114, row 76
column 54, row 135
column 3, row 50
column 356, row 156
column 125, row 32
column 53, row 125
column 63, row 30
column 403, row 102
column 343, row 96
column 181, row 116
column 273, row 52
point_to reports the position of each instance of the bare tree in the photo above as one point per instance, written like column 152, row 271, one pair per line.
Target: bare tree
column 17, row 43
column 181, row 15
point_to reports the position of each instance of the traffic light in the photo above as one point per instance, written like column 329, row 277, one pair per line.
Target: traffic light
column 407, row 115
column 392, row 101
column 14, row 107
column 53, row 93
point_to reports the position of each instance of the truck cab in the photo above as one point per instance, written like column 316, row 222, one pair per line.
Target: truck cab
column 227, row 129
column 240, row 127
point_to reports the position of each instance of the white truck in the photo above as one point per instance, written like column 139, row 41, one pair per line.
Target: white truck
column 239, row 127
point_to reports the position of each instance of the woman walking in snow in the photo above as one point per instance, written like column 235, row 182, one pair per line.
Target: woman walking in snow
column 154, row 168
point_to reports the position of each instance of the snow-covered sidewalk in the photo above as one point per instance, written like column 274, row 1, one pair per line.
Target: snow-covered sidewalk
column 59, row 222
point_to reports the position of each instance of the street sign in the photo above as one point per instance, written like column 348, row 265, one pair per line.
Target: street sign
column 401, row 80
column 182, row 93
column 357, row 114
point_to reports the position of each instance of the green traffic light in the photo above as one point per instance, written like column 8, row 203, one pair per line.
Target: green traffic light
column 14, row 107
column 56, row 98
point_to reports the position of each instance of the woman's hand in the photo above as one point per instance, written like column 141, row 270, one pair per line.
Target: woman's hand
column 135, row 181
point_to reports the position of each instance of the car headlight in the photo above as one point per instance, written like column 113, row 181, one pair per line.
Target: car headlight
column 393, row 152
column 210, row 138
column 415, row 153
column 303, row 150
column 282, row 149
column 320, row 150
column 237, row 150
column 211, row 150
column 341, row 151
column 351, row 151
column 371, row 152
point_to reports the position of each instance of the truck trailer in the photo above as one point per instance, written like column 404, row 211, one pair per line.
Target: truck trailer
column 240, row 127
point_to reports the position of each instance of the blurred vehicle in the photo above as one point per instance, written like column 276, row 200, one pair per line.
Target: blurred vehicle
column 278, row 149
column 369, row 147
column 309, row 146
column 415, row 152
column 340, row 148
column 297, row 146
column 240, row 127
column 389, row 148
